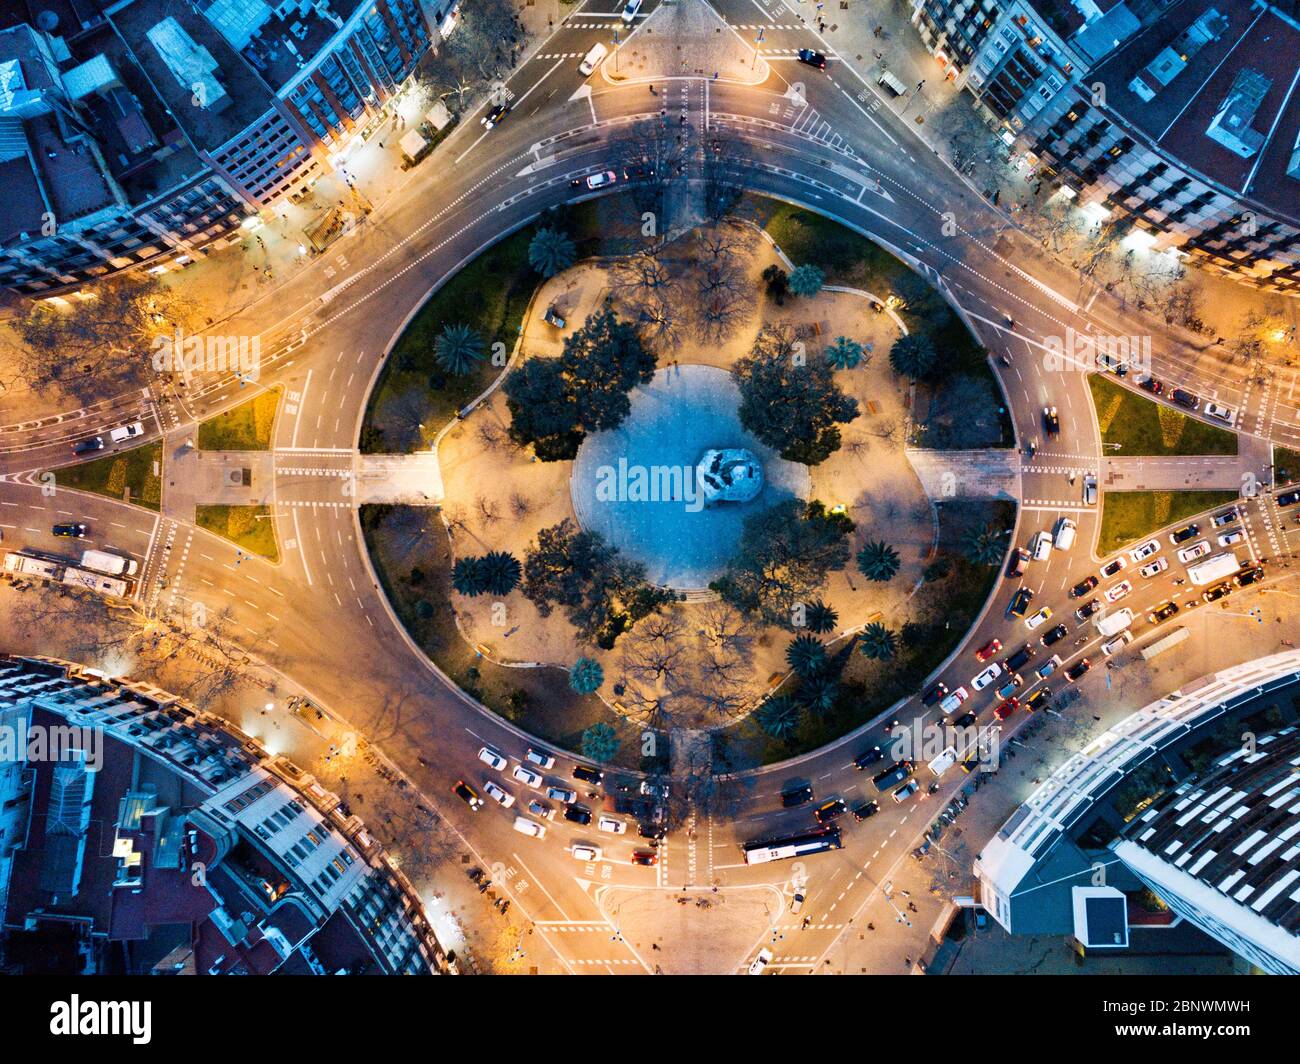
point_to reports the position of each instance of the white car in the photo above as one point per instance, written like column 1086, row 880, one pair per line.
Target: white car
column 539, row 758
column 600, row 180
column 1196, row 550
column 1220, row 413
column 1114, row 594
column 524, row 774
column 490, row 757
column 950, row 704
column 499, row 794
column 614, row 827
column 1145, row 551
column 529, row 827
column 630, row 9
column 585, row 852
column 541, row 809
column 1038, row 618
column 796, row 905
column 760, row 962
column 561, row 794
column 126, row 432
column 1229, row 538
column 1152, row 568
column 986, row 677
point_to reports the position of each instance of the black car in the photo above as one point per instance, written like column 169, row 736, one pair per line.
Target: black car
column 830, row 809
column 1084, row 586
column 1162, row 612
column 495, row 116
column 74, row 529
column 651, row 831
column 1020, row 602
column 796, row 796
column 1078, row 669
column 1217, row 592
column 869, row 757
column 896, row 773
column 1055, row 635
column 1019, row 559
column 1087, row 609
column 864, row 810
column 966, row 720
column 587, row 774
column 95, row 443
column 812, row 59
column 1249, row 576
column 1288, row 498
column 1019, row 659
column 1185, row 533
column 1187, row 400
column 467, row 794
column 937, row 692
column 577, row 814
column 1051, row 420
column 1152, row 385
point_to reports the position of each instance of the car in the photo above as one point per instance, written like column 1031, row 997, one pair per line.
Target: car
column 1217, row 592
column 933, row 695
column 541, row 809
column 562, row 794
column 1020, row 602
column 1118, row 591
column 1089, row 490
column 1020, row 658
column 1006, row 708
column 1225, row 518
column 1112, row 363
column 1220, row 413
column 896, row 773
column 1013, row 682
column 1196, row 550
column 796, row 904
column 1185, row 533
column 651, row 831
column 1151, row 385
column 1038, row 699
column 964, row 721
column 1154, row 568
column 495, row 116
column 1115, row 565
column 583, row 851
column 71, row 529
column 950, row 704
column 1051, row 420
column 1162, row 612
column 467, row 794
column 95, row 443
column 1185, row 399
column 1087, row 609
column 905, row 791
column 1288, row 498
column 1017, row 562
column 490, row 757
column 600, row 180
column 865, row 810
column 614, row 827
column 1048, row 667
column 530, row 827
column 645, row 857
column 988, row 650
column 587, row 774
column 760, row 962
column 126, row 432
column 527, row 776
column 986, row 677
column 630, row 9
column 1040, row 547
column 499, row 794
column 1084, row 586
column 577, row 814
column 868, row 757
column 540, row 758
column 1055, row 635
column 1113, row 646
column 830, row 809
column 796, row 795
column 1142, row 553
column 1078, row 669
column 1041, row 617
column 653, row 790
column 813, row 59
column 1229, row 538
column 1249, row 576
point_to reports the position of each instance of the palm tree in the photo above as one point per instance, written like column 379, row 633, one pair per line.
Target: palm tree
column 878, row 642
column 599, row 743
column 985, row 546
column 457, row 349
column 912, row 356
column 779, row 717
column 878, row 561
column 820, row 618
column 586, row 676
column 551, row 251
column 806, row 280
column 819, row 693
column 467, row 576
column 844, row 353
column 501, row 572
column 806, row 655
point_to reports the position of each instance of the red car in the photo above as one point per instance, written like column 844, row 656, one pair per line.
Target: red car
column 988, row 650
column 1007, row 708
column 645, row 857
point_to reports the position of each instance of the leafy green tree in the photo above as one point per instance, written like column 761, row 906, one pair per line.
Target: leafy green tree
column 985, row 546
column 599, row 743
column 468, row 577
column 779, row 717
column 878, row 642
column 806, row 280
column 844, row 353
column 551, row 251
column 791, row 404
column 806, row 654
column 878, row 561
column 501, row 572
column 543, row 410
column 913, row 356
column 458, row 349
column 819, row 693
column 586, row 676
column 820, row 618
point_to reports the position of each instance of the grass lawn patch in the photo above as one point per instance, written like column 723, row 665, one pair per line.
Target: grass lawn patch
column 248, row 527
column 1128, row 516
column 131, row 476
column 1286, row 465
column 1143, row 427
column 246, row 427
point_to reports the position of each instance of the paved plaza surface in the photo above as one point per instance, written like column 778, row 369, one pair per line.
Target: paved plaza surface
column 683, row 412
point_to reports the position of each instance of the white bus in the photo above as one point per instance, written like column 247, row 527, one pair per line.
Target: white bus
column 793, row 846
column 29, row 566
column 1212, row 569
column 97, row 582
column 112, row 564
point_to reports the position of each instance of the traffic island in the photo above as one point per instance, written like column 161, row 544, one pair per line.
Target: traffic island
column 127, row 476
column 251, row 528
column 1130, row 516
column 684, row 39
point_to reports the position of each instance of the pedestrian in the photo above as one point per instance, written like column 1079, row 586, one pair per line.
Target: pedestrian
column 877, row 31
column 871, row 927
column 907, row 962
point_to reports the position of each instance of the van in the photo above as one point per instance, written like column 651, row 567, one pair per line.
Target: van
column 112, row 564
column 126, row 432
column 1089, row 490
column 943, row 762
column 1064, row 536
column 592, row 59
column 1041, row 545
column 888, row 81
column 1112, row 646
column 1114, row 623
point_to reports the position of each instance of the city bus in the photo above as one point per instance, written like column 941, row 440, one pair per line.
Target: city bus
column 792, row 846
column 1212, row 569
